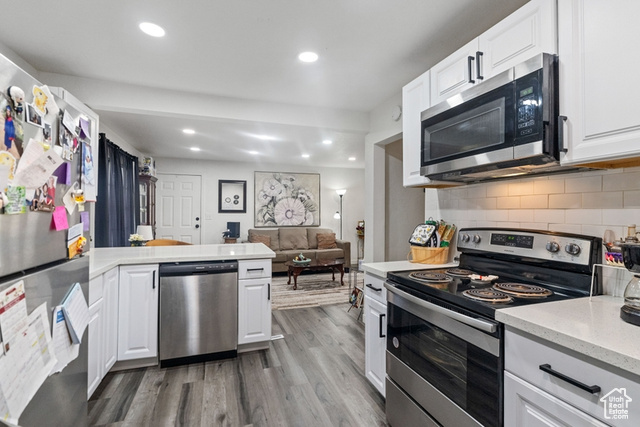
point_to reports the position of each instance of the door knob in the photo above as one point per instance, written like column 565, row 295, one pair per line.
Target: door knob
column 197, row 218
column 197, row 225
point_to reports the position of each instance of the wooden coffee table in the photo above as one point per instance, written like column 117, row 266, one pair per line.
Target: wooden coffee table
column 294, row 269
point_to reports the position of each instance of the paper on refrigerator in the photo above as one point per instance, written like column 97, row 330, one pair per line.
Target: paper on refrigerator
column 13, row 313
column 76, row 312
column 66, row 351
column 24, row 369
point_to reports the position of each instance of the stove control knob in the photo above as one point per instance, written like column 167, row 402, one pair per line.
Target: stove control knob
column 572, row 249
column 476, row 239
column 464, row 238
column 553, row 247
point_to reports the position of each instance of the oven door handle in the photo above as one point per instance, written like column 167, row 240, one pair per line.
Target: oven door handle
column 471, row 321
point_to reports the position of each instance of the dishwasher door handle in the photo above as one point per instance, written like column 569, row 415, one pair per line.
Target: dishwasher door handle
column 154, row 279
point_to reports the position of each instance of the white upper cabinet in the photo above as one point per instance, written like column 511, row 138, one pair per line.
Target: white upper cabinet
column 415, row 99
column 525, row 33
column 528, row 31
column 455, row 73
column 598, row 66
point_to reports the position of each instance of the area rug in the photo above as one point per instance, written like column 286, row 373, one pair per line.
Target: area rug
column 313, row 290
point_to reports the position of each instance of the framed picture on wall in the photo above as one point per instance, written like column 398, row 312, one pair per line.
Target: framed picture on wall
column 284, row 199
column 232, row 196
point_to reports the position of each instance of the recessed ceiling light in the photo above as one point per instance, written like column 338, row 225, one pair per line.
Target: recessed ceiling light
column 195, row 148
column 327, row 142
column 308, row 57
column 189, row 131
column 352, row 159
column 305, row 156
column 253, row 152
column 152, row 29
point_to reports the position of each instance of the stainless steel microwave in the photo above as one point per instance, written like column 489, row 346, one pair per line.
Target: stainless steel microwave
column 506, row 126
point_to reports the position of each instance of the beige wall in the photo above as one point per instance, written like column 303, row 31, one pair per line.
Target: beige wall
column 403, row 206
column 584, row 203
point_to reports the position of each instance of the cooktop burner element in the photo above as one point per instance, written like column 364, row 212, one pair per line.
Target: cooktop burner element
column 523, row 291
column 459, row 272
column 488, row 295
column 430, row 276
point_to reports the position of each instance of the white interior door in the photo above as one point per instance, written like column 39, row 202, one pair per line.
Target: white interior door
column 178, row 207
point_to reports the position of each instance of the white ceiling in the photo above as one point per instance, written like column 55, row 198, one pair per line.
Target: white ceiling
column 244, row 50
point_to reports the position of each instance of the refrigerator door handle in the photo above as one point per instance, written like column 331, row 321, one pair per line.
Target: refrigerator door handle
column 154, row 279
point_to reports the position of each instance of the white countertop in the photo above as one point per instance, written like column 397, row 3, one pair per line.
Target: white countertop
column 381, row 269
column 591, row 328
column 104, row 259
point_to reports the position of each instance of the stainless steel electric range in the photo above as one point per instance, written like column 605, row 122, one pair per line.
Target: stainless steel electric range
column 445, row 351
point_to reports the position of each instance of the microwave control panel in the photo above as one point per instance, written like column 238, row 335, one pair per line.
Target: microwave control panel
column 528, row 106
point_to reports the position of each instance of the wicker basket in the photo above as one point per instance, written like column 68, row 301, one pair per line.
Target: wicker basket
column 423, row 255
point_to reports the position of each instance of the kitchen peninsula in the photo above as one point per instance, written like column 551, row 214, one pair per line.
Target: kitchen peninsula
column 124, row 292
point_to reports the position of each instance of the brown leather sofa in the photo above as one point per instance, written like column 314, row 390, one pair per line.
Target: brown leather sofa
column 288, row 242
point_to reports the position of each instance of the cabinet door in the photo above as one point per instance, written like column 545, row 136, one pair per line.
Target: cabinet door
column 95, row 372
column 455, row 73
column 525, row 33
column 415, row 99
column 598, row 68
column 375, row 343
column 254, row 310
column 138, row 312
column 527, row 405
column 110, row 322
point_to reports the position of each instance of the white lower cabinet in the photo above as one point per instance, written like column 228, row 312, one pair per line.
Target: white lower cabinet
column 375, row 342
column 96, row 342
column 138, row 312
column 103, row 327
column 375, row 325
column 549, row 385
column 254, row 301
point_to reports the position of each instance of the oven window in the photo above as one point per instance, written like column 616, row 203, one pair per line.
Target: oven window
column 467, row 375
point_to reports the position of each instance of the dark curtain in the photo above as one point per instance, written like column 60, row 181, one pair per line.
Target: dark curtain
column 118, row 205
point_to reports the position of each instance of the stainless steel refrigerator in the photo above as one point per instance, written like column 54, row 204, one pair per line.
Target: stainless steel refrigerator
column 32, row 250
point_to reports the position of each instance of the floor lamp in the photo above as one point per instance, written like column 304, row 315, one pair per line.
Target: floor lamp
column 339, row 214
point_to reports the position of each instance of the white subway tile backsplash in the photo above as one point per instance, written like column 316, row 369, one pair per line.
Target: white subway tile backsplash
column 497, row 215
column 520, row 188
column 497, row 190
column 611, row 199
column 476, row 191
column 521, row 215
column 539, row 201
column 534, row 225
column 631, row 199
column 489, row 203
column 620, row 182
column 583, row 184
column 508, row 202
column 566, row 228
column 549, row 215
column 621, row 217
column 565, row 201
column 549, row 186
column 584, row 216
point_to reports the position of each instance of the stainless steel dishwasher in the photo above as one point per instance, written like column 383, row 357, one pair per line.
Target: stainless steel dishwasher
column 198, row 312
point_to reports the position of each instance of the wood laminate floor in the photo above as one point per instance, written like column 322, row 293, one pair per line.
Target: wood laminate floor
column 312, row 377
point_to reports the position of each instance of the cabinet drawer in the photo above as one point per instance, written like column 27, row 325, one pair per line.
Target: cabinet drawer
column 253, row 269
column 374, row 288
column 525, row 354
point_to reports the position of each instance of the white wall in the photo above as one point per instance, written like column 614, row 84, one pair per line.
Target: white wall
column 584, row 203
column 120, row 141
column 331, row 179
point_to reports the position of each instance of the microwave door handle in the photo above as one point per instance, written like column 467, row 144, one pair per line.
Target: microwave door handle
column 479, row 75
column 561, row 147
column 470, row 59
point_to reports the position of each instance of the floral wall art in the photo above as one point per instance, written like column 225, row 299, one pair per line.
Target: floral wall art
column 287, row 199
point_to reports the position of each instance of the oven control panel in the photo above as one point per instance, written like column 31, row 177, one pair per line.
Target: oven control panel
column 543, row 245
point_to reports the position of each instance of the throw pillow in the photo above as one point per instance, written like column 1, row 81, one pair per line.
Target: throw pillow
column 327, row 241
column 260, row 238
